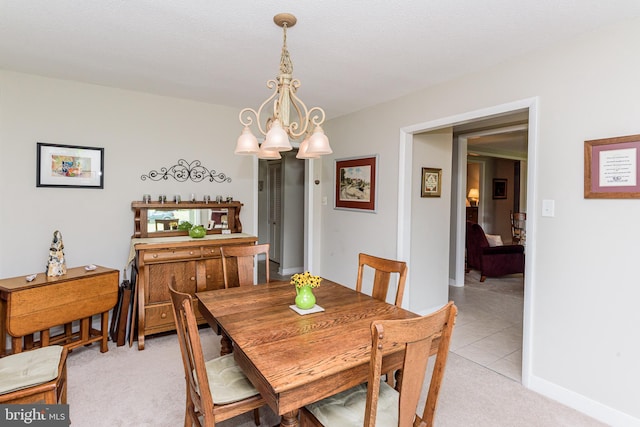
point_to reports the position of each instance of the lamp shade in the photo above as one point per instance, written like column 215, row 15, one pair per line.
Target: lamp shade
column 268, row 154
column 276, row 139
column 247, row 142
column 319, row 143
column 474, row 193
column 303, row 152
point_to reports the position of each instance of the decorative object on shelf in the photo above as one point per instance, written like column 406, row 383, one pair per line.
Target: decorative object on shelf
column 279, row 126
column 57, row 265
column 197, row 232
column 304, row 283
column 611, row 168
column 499, row 188
column 185, row 225
column 473, row 196
column 431, row 182
column 184, row 171
column 356, row 183
column 69, row 166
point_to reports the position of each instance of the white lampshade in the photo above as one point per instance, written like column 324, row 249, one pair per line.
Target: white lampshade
column 276, row 139
column 319, row 143
column 303, row 153
column 474, row 193
column 268, row 154
column 247, row 142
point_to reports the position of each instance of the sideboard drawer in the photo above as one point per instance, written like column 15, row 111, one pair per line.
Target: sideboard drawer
column 159, row 316
column 173, row 254
column 211, row 252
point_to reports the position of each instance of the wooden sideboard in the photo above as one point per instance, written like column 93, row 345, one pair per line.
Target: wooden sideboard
column 195, row 264
column 47, row 302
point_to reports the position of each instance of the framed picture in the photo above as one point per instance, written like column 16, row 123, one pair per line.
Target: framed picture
column 499, row 188
column 431, row 182
column 612, row 168
column 356, row 183
column 69, row 166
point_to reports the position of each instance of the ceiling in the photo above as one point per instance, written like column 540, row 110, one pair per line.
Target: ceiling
column 349, row 55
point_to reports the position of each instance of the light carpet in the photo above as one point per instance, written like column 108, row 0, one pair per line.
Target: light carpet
column 127, row 387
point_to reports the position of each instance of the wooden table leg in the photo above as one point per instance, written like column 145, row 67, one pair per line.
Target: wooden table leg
column 290, row 419
column 104, row 329
column 226, row 345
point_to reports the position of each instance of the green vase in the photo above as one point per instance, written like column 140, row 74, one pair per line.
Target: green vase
column 305, row 298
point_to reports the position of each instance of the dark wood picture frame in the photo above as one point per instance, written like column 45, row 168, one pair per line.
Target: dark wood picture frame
column 431, row 182
column 612, row 168
column 356, row 183
column 69, row 166
column 499, row 188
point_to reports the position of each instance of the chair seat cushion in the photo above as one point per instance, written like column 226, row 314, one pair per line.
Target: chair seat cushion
column 347, row 408
column 29, row 368
column 227, row 381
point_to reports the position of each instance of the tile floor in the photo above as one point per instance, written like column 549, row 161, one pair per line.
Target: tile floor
column 489, row 326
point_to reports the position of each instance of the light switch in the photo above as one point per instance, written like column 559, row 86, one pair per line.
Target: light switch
column 549, row 208
column 324, row 200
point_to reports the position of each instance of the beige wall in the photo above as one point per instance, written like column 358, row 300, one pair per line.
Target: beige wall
column 139, row 133
column 584, row 282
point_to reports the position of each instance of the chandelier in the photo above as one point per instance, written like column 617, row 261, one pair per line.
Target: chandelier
column 290, row 118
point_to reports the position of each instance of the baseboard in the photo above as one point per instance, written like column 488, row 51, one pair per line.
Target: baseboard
column 288, row 271
column 594, row 409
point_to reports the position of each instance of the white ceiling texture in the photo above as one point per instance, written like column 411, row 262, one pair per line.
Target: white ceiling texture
column 348, row 54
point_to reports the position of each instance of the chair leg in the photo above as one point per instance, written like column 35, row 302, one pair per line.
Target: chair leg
column 483, row 278
column 256, row 416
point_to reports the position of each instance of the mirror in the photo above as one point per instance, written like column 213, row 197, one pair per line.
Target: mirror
column 159, row 220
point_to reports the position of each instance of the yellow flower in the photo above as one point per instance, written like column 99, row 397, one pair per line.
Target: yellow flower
column 305, row 279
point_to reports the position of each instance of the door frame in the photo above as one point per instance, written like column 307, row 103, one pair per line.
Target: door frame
column 404, row 202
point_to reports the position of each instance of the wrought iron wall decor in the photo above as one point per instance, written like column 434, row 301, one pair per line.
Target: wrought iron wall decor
column 184, row 171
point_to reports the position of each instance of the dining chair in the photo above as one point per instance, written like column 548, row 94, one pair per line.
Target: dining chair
column 34, row 376
column 383, row 269
column 217, row 389
column 238, row 263
column 376, row 402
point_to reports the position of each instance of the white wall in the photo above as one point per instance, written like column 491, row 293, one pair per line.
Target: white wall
column 139, row 133
column 584, row 280
column 430, row 218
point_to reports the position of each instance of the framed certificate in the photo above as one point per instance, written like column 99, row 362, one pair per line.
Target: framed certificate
column 612, row 168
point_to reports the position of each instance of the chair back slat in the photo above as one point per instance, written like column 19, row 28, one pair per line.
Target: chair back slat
column 382, row 277
column 238, row 263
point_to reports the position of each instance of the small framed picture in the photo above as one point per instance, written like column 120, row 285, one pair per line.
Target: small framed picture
column 431, row 182
column 69, row 166
column 499, row 188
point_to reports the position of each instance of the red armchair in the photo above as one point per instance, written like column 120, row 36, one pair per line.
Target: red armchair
column 493, row 261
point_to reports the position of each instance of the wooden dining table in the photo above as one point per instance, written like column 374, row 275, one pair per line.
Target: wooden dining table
column 295, row 359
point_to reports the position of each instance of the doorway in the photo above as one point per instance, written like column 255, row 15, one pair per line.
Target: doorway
column 528, row 107
column 281, row 206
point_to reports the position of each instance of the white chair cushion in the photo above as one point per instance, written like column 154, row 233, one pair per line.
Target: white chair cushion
column 346, row 408
column 227, row 381
column 29, row 368
column 494, row 239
